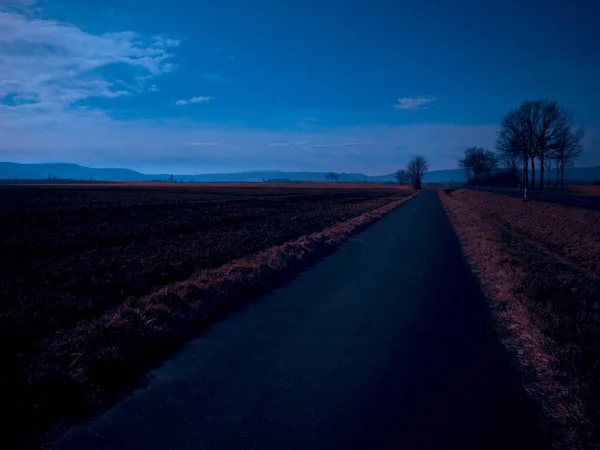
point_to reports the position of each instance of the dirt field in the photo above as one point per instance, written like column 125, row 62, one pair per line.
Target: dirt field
column 540, row 266
column 73, row 255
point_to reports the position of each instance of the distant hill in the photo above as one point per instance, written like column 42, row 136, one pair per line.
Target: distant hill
column 10, row 170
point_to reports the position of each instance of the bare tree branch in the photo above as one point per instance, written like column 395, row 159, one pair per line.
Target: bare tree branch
column 415, row 169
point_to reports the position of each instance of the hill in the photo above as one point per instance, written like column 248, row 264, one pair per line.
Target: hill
column 9, row 170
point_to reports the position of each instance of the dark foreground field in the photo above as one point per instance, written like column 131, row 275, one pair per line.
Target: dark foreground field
column 72, row 255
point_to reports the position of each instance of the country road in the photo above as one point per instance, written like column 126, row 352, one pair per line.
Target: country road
column 385, row 344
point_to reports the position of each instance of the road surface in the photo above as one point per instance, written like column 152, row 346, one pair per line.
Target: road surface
column 559, row 198
column 385, row 344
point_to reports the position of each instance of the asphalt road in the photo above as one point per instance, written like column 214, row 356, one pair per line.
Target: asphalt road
column 385, row 344
column 559, row 198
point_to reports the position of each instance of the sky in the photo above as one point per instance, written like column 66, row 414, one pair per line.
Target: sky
column 313, row 85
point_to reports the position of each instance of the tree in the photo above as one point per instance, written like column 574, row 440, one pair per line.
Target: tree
column 480, row 162
column 512, row 142
column 567, row 148
column 553, row 120
column 332, row 177
column 415, row 169
column 467, row 168
column 511, row 163
column 401, row 176
column 533, row 132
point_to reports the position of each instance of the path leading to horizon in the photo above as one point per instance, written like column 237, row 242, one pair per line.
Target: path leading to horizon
column 387, row 343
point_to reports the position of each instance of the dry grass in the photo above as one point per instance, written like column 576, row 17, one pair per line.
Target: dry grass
column 545, row 300
column 571, row 234
column 73, row 373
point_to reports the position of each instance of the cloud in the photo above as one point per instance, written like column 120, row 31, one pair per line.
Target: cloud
column 340, row 144
column 288, row 144
column 16, row 5
column 153, row 88
column 414, row 103
column 182, row 146
column 184, row 102
column 59, row 64
column 200, row 99
column 215, row 77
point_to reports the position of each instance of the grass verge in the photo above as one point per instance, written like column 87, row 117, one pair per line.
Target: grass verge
column 546, row 301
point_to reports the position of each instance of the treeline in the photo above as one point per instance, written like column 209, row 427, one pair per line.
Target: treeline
column 538, row 135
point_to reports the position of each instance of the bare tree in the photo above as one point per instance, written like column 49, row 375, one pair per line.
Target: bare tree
column 567, row 149
column 527, row 121
column 553, row 120
column 512, row 142
column 332, row 177
column 401, row 176
column 511, row 162
column 464, row 164
column 533, row 131
column 415, row 169
column 479, row 161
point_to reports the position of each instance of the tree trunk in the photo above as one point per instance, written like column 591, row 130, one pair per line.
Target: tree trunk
column 533, row 172
column 525, row 172
column 557, row 178
column 541, row 173
column 562, row 175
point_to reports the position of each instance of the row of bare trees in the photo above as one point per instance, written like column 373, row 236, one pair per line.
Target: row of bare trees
column 539, row 132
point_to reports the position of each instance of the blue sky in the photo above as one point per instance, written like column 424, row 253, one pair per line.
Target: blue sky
column 228, row 85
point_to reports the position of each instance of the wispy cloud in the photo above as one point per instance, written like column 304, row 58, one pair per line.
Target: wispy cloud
column 200, row 99
column 59, row 64
column 184, row 102
column 16, row 5
column 97, row 139
column 288, row 144
column 414, row 103
column 340, row 144
column 215, row 77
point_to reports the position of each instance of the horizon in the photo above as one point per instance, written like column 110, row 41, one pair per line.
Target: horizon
column 189, row 89
column 261, row 171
